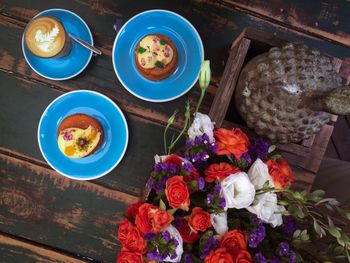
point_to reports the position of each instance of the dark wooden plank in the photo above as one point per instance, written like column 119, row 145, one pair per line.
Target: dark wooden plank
column 21, row 110
column 76, row 216
column 331, row 151
column 341, row 138
column 13, row 251
column 325, row 19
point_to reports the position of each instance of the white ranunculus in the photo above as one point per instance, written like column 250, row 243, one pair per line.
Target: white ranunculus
column 265, row 205
column 201, row 124
column 174, row 233
column 266, row 208
column 219, row 222
column 258, row 174
column 237, row 190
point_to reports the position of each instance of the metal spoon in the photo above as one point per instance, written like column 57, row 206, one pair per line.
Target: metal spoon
column 86, row 45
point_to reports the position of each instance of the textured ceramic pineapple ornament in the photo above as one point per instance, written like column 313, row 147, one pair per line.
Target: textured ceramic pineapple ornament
column 288, row 93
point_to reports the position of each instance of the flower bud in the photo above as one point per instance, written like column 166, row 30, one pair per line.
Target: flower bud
column 204, row 74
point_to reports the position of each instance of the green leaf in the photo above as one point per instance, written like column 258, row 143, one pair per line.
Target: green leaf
column 334, row 232
column 319, row 192
column 162, row 205
column 317, row 228
column 304, row 235
column 159, row 64
column 271, row 148
column 172, row 211
column 162, row 42
column 296, row 233
column 300, row 213
column 347, row 215
column 330, row 221
column 141, row 50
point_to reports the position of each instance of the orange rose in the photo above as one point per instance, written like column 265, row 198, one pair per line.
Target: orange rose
column 123, row 230
column 234, row 241
column 199, row 220
column 219, row 256
column 134, row 241
column 132, row 210
column 177, row 193
column 187, row 235
column 159, row 219
column 280, row 173
column 129, row 257
column 243, row 256
column 142, row 219
column 219, row 171
column 231, row 142
column 173, row 158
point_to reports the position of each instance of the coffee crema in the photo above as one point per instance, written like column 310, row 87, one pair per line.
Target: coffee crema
column 45, row 36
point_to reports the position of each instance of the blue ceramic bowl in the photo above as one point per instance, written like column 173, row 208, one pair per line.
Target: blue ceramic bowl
column 102, row 109
column 190, row 55
column 71, row 65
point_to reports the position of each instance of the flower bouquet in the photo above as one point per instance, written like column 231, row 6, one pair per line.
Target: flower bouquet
column 224, row 198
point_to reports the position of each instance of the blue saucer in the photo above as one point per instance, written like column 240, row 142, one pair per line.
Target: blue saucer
column 71, row 65
column 102, row 109
column 188, row 44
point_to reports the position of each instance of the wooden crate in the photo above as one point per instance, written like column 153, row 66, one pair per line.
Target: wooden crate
column 304, row 157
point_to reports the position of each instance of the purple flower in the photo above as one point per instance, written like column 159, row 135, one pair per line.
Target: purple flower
column 188, row 167
column 176, row 242
column 289, row 225
column 160, row 167
column 153, row 255
column 283, row 249
column 292, row 257
column 188, row 258
column 201, row 183
column 166, row 235
column 247, row 158
column 260, row 258
column 190, row 143
column 204, row 156
column 173, row 256
column 274, row 260
column 217, row 189
column 211, row 243
column 149, row 235
column 213, row 147
column 257, row 236
column 210, row 199
column 260, row 148
column 156, row 186
column 199, row 139
column 222, row 202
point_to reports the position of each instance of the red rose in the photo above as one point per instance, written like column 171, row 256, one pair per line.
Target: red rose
column 173, row 158
column 129, row 257
column 219, row 256
column 159, row 219
column 142, row 219
column 199, row 220
column 231, row 142
column 177, row 193
column 280, row 173
column 134, row 241
column 219, row 171
column 243, row 256
column 187, row 235
column 123, row 230
column 132, row 210
column 234, row 241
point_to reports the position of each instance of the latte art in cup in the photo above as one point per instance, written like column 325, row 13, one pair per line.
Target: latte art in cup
column 45, row 37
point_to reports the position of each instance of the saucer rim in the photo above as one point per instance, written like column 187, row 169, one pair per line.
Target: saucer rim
column 118, row 35
column 88, row 60
column 126, row 137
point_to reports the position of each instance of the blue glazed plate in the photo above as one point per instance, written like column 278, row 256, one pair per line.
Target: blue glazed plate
column 71, row 65
column 102, row 109
column 190, row 55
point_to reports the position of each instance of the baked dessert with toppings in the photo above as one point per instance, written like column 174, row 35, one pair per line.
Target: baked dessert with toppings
column 156, row 57
column 79, row 135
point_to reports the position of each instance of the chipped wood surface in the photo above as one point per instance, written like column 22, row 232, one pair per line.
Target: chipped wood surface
column 61, row 220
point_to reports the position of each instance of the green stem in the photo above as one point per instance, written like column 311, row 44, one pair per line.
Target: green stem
column 200, row 100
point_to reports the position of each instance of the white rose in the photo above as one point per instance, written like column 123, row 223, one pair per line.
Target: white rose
column 258, row 174
column 174, row 233
column 266, row 208
column 219, row 222
column 201, row 124
column 237, row 190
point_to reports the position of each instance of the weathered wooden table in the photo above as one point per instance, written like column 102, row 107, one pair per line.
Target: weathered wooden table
column 45, row 217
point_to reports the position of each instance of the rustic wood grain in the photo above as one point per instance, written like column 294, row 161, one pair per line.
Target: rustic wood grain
column 13, row 251
column 22, row 108
column 328, row 20
column 341, row 138
column 77, row 216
